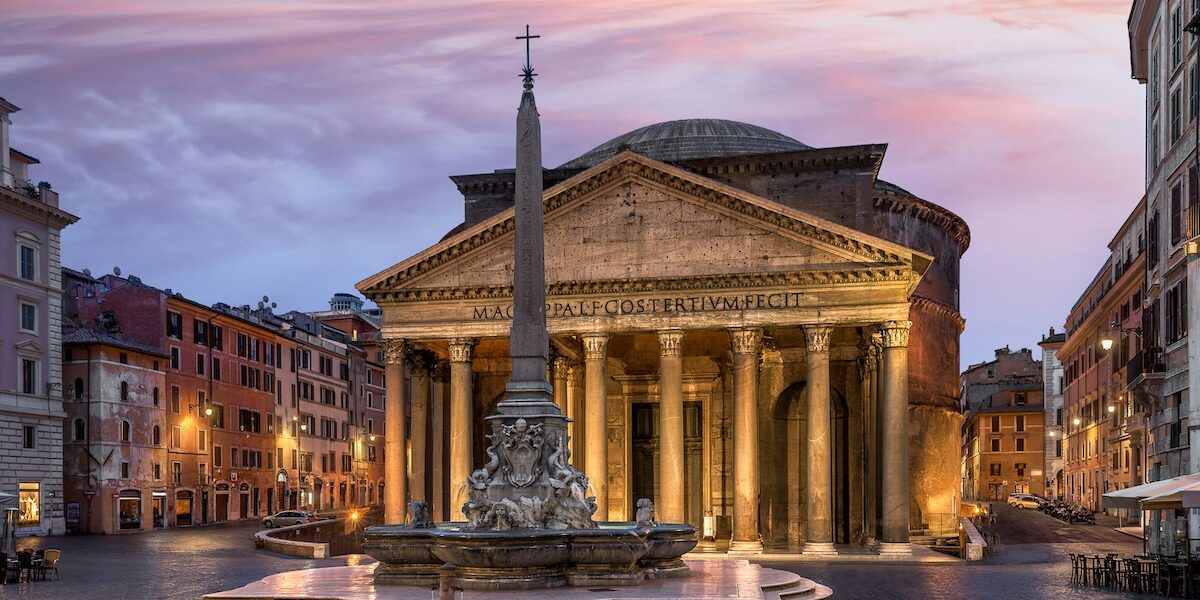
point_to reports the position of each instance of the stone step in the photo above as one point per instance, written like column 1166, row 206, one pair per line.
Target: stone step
column 802, row 589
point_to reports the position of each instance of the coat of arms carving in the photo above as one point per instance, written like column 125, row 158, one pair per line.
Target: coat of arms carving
column 522, row 449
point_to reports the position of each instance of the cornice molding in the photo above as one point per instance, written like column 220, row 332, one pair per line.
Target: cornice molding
column 632, row 167
column 930, row 213
column 35, row 209
column 675, row 284
column 939, row 309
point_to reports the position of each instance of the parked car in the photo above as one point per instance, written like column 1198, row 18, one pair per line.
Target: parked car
column 1023, row 501
column 288, row 517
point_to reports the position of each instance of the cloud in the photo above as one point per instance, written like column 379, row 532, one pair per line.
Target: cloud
column 235, row 148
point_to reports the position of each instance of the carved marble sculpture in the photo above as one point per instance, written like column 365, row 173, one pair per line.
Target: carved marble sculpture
column 645, row 513
column 418, row 515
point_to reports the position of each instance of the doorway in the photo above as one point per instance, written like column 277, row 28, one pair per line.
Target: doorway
column 222, row 507
column 243, row 505
column 645, row 448
column 204, row 507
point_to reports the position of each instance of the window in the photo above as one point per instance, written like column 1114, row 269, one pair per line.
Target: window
column 174, row 325
column 175, row 358
column 177, row 473
column 1193, row 89
column 1152, row 233
column 1020, row 444
column 200, row 332
column 233, row 458
column 156, row 435
column 1176, row 115
column 176, row 437
column 123, row 358
column 216, row 456
column 28, row 263
column 124, row 470
column 78, row 389
column 154, row 394
column 156, row 470
column 29, row 502
column 994, row 469
column 249, row 421
column 215, row 338
column 1176, row 36
column 995, row 423
column 175, row 399
column 1176, row 309
column 1058, row 448
column 995, row 445
column 1020, row 422
column 218, row 417
column 1020, row 469
column 78, row 430
column 216, row 369
column 371, row 453
column 29, row 437
column 1176, row 213
column 201, row 440
column 28, row 318
column 125, row 390
column 126, row 432
column 1153, row 142
column 200, row 361
column 29, row 375
column 370, row 400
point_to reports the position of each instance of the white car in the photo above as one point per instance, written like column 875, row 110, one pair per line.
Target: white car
column 288, row 517
column 1022, row 500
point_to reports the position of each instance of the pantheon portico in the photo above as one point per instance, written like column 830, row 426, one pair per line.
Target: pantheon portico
column 759, row 335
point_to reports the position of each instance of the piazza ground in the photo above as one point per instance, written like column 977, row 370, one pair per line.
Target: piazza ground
column 188, row 563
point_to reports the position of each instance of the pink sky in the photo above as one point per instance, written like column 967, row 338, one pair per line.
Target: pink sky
column 234, row 149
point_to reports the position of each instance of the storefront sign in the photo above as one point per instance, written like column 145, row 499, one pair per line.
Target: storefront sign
column 655, row 306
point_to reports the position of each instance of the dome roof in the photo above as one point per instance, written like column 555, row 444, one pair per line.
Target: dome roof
column 691, row 138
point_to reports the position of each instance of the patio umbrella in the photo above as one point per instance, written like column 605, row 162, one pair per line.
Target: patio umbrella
column 8, row 538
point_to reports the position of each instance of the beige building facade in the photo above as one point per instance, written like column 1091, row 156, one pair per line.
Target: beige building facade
column 742, row 362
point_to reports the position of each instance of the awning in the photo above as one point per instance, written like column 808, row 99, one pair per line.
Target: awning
column 1186, row 497
column 7, row 501
column 1131, row 497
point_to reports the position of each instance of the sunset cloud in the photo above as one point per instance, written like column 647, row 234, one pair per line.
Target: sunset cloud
column 233, row 149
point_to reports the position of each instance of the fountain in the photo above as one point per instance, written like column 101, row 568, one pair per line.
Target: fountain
column 529, row 518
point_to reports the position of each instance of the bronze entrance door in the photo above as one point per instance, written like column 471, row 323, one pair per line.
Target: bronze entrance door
column 644, row 440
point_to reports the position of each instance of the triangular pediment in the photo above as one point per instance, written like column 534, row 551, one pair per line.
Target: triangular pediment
column 633, row 219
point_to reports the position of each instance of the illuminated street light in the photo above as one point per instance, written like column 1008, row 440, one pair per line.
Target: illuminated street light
column 1106, row 342
column 1076, row 421
column 1112, row 408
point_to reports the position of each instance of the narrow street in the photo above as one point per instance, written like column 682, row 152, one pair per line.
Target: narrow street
column 1031, row 562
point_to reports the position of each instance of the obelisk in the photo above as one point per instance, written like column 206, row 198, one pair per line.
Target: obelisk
column 528, row 392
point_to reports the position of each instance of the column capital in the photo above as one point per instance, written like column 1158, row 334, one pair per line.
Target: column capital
column 561, row 367
column 746, row 341
column 394, row 350
column 461, row 349
column 670, row 342
column 816, row 338
column 422, row 361
column 575, row 373
column 595, row 346
column 895, row 333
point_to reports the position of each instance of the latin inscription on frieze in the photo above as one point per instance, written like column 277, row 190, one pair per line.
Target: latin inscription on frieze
column 640, row 306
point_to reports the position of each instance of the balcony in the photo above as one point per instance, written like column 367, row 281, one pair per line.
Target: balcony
column 1136, row 423
column 1149, row 364
column 40, row 191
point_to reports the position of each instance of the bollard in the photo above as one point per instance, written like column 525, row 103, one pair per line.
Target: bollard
column 446, row 582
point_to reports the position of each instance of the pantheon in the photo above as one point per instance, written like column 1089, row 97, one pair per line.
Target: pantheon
column 759, row 335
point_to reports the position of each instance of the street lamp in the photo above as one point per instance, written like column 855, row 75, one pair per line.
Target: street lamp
column 1112, row 409
column 1076, row 421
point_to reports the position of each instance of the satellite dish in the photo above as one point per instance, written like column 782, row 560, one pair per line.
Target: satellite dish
column 117, row 271
column 87, row 272
column 265, row 299
column 260, row 306
column 273, row 305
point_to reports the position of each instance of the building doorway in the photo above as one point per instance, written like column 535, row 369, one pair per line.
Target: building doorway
column 222, row 507
column 158, row 509
column 644, row 481
column 204, row 507
column 270, row 501
column 243, row 505
column 183, row 508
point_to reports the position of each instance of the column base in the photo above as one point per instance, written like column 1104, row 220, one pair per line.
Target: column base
column 895, row 550
column 745, row 547
column 819, row 549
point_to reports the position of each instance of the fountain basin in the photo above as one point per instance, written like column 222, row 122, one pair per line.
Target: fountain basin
column 522, row 559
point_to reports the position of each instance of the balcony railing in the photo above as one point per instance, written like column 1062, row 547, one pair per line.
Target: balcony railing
column 1148, row 362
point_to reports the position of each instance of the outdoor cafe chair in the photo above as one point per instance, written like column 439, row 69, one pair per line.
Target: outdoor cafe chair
column 49, row 562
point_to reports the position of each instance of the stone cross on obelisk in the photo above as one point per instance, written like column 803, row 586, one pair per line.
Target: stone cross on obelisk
column 528, row 392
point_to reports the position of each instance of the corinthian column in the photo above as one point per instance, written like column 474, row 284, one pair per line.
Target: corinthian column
column 746, row 344
column 560, row 368
column 870, row 351
column 422, row 363
column 819, row 491
column 575, row 402
column 460, row 422
column 595, row 347
column 395, row 475
column 670, row 504
column 894, row 440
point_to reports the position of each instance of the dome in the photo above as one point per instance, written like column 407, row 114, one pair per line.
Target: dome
column 691, row 138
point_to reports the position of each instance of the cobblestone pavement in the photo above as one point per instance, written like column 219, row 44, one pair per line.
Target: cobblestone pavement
column 173, row 563
column 187, row 563
column 1031, row 562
